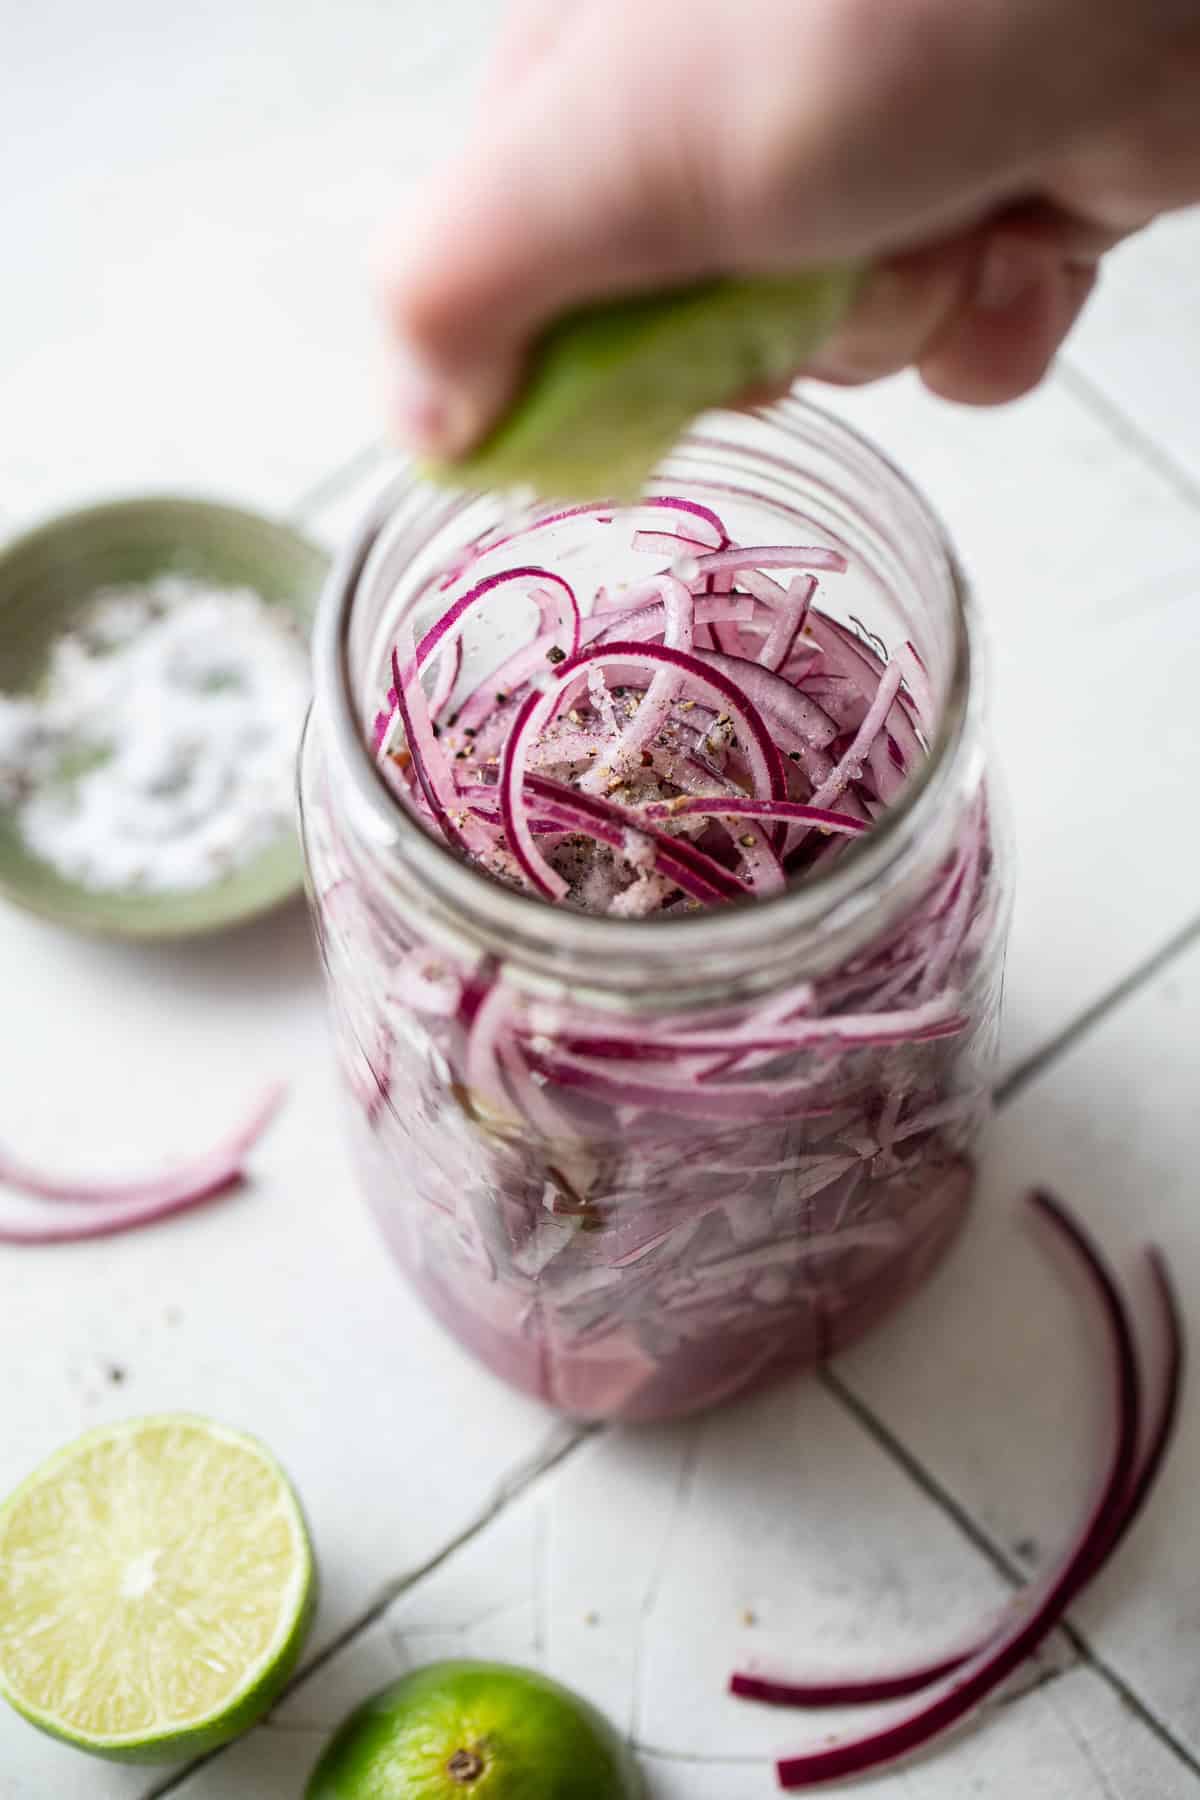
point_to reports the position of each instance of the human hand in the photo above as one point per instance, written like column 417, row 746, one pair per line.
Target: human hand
column 981, row 157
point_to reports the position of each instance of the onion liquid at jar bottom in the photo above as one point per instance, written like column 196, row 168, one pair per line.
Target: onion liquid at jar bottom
column 633, row 1261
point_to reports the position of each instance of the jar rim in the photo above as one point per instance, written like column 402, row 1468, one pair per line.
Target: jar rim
column 598, row 951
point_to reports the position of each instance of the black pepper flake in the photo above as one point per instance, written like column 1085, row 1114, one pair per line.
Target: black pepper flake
column 461, row 755
column 619, row 692
column 555, row 655
column 794, row 755
column 437, row 730
column 468, row 730
column 501, row 699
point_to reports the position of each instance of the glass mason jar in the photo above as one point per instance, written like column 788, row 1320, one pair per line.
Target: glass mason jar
column 628, row 1247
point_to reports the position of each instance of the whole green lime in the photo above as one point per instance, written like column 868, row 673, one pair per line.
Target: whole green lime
column 475, row 1731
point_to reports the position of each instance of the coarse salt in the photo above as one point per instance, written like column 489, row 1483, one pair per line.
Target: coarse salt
column 160, row 751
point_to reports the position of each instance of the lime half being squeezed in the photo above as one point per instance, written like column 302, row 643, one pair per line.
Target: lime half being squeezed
column 156, row 1585
column 612, row 387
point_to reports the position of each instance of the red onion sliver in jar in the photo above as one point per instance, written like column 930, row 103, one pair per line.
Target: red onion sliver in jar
column 667, row 1035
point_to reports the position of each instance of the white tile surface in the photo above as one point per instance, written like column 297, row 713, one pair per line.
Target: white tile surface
column 190, row 200
column 192, row 205
column 1136, row 341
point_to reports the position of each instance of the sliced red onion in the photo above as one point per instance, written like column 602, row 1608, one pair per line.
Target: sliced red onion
column 541, row 715
column 643, row 618
column 558, row 613
column 648, row 618
column 430, row 765
column 678, row 610
column 922, row 1025
column 702, row 523
column 958, row 918
column 564, row 809
column 733, row 806
column 917, row 677
column 383, row 722
column 763, row 588
column 533, row 864
column 780, row 640
column 898, row 1685
column 667, row 543
column 1166, row 1420
column 800, row 1098
column 538, row 710
column 970, row 1681
column 484, row 1041
column 773, row 695
column 602, row 703
column 449, row 669
column 700, row 520
column 496, row 539
column 530, row 1096
column 674, row 856
column 816, row 1695
column 770, row 556
column 102, row 1208
column 849, row 766
column 557, row 606
column 844, row 652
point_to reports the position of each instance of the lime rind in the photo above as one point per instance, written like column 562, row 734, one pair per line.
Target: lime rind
column 612, row 388
column 537, row 1738
column 261, row 1681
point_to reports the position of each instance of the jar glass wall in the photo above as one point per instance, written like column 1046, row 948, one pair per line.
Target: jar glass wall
column 581, row 1141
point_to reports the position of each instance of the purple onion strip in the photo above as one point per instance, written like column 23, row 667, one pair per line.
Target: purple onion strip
column 975, row 1679
column 121, row 1205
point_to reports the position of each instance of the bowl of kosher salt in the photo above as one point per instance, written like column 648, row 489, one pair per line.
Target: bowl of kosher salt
column 154, row 679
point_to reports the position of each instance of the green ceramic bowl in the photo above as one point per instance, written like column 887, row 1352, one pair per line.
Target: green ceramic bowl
column 46, row 578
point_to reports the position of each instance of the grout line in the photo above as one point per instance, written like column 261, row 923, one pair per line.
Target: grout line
column 942, row 1498
column 919, row 1475
column 1083, row 1744
column 541, row 1582
column 524, row 1477
column 685, row 1477
column 1130, row 1699
column 330, row 487
column 702, row 1759
column 1019, row 1078
column 1126, row 428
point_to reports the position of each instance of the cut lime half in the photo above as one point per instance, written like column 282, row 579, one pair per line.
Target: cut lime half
column 612, row 387
column 156, row 1585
